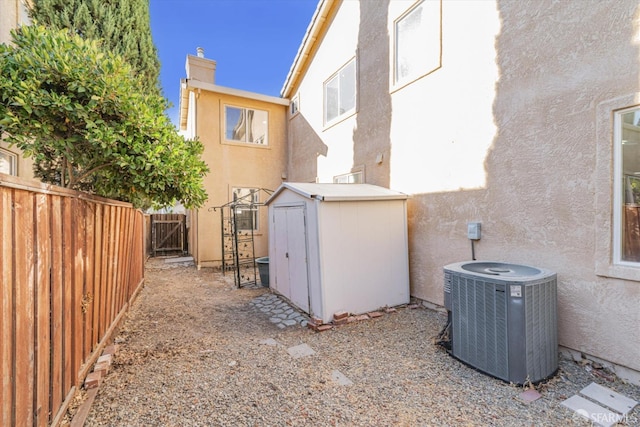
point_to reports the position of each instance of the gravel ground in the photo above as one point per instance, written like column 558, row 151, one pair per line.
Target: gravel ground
column 194, row 351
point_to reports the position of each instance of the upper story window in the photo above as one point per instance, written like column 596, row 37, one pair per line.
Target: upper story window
column 246, row 125
column 627, row 193
column 417, row 42
column 340, row 93
column 8, row 162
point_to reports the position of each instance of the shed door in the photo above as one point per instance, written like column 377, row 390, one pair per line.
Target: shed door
column 291, row 255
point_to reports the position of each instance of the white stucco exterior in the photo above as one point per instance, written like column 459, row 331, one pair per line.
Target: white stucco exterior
column 513, row 130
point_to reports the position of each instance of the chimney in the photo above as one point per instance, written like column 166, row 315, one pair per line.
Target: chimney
column 200, row 68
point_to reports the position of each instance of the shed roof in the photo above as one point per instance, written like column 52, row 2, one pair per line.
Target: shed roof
column 339, row 192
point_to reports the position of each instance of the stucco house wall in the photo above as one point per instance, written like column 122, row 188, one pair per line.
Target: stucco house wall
column 13, row 13
column 232, row 164
column 512, row 129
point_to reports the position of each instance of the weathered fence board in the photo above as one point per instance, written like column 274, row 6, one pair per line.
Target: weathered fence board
column 70, row 265
column 6, row 308
column 57, row 296
column 23, row 306
column 42, row 304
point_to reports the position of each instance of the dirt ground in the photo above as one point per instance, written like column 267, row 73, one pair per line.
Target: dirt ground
column 194, row 351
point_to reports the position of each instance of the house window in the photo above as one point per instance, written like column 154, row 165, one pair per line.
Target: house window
column 627, row 193
column 8, row 162
column 246, row 125
column 246, row 209
column 417, row 42
column 340, row 93
column 294, row 106
column 349, row 178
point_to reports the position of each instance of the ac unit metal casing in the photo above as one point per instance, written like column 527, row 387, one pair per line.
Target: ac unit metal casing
column 503, row 319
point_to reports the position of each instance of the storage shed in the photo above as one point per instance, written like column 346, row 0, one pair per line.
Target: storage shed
column 338, row 247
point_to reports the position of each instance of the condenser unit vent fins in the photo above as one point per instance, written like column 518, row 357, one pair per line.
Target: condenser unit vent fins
column 503, row 323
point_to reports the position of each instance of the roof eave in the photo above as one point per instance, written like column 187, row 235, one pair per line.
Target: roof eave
column 191, row 84
column 314, row 30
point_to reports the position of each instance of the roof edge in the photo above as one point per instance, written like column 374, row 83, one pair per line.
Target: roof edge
column 197, row 84
column 313, row 30
column 336, row 197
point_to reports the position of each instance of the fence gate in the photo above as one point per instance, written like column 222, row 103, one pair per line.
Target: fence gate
column 168, row 234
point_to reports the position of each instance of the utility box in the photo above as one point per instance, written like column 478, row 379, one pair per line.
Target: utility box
column 338, row 247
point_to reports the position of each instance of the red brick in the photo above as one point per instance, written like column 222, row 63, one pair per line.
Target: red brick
column 375, row 314
column 342, row 321
column 92, row 380
column 311, row 325
column 323, row 328
column 105, row 358
column 316, row 321
column 352, row 319
column 102, row 367
column 339, row 315
column 362, row 317
column 413, row 306
column 110, row 349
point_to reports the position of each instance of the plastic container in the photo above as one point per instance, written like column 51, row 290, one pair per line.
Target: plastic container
column 263, row 269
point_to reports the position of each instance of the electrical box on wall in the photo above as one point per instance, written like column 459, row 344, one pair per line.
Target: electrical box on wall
column 473, row 231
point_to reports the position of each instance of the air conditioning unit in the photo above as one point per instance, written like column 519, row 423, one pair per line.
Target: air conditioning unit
column 503, row 319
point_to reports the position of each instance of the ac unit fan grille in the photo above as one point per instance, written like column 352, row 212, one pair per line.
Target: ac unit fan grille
column 480, row 324
column 540, row 324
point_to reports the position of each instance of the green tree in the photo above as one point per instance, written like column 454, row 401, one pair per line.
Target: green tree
column 80, row 112
column 122, row 26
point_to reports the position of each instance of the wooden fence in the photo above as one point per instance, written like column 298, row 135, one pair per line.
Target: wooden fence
column 70, row 265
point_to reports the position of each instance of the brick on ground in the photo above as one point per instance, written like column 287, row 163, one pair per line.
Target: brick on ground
column 104, row 367
column 110, row 349
column 92, row 380
column 105, row 358
column 339, row 315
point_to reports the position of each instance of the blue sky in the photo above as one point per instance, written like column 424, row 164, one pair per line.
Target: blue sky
column 253, row 42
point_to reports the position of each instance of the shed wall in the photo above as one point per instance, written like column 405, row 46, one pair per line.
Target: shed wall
column 363, row 255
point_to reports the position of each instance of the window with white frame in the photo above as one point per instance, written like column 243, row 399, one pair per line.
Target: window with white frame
column 246, row 207
column 246, row 125
column 417, row 42
column 349, row 178
column 340, row 93
column 627, row 186
column 8, row 162
column 294, row 106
